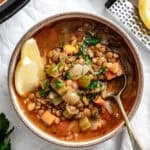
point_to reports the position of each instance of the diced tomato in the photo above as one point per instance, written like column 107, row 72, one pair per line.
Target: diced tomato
column 109, row 75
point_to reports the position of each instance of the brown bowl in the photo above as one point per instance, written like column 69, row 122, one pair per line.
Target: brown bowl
column 134, row 84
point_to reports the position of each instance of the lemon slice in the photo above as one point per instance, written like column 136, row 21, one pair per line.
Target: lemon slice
column 144, row 11
column 30, row 68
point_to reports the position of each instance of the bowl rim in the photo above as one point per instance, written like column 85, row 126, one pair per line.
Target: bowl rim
column 47, row 22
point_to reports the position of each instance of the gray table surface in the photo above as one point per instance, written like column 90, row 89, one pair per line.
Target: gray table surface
column 10, row 33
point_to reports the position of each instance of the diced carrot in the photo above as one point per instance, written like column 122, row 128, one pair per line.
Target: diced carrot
column 109, row 75
column 114, row 70
column 99, row 101
column 48, row 118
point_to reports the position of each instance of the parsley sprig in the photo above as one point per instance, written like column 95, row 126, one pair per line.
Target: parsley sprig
column 5, row 143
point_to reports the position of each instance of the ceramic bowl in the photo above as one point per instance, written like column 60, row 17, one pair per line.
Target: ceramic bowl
column 135, row 75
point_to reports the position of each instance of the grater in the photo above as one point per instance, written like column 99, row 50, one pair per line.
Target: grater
column 127, row 13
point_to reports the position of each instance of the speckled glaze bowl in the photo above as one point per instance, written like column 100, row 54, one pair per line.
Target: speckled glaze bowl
column 131, row 53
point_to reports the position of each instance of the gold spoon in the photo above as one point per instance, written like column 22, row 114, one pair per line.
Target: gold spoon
column 136, row 145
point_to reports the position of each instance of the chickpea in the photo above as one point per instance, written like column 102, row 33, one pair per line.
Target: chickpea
column 50, row 54
column 73, row 38
column 116, row 55
column 85, row 101
column 50, row 61
column 80, row 105
column 79, row 115
column 90, row 52
column 74, row 85
column 90, row 106
column 31, row 96
column 109, row 65
column 26, row 100
column 30, row 106
column 69, row 82
column 66, row 68
column 87, row 112
column 54, row 111
column 37, row 107
column 72, row 58
column 61, row 68
column 40, row 112
column 112, row 60
column 37, row 94
column 58, row 114
column 101, row 61
column 81, row 61
column 109, row 55
column 57, row 120
column 98, row 54
column 94, row 60
column 98, row 45
column 102, row 49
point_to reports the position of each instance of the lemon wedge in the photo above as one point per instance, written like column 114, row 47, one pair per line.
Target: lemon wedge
column 30, row 68
column 30, row 49
column 144, row 11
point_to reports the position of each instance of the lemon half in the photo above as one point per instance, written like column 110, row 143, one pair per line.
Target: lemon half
column 144, row 11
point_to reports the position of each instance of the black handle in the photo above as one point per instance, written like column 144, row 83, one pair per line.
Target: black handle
column 9, row 9
column 109, row 3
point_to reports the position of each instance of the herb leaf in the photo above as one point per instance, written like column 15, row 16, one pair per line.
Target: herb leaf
column 88, row 41
column 67, row 75
column 92, row 40
column 87, row 59
column 92, row 85
column 45, row 88
column 95, row 84
column 101, row 70
column 58, row 84
column 4, row 133
column 4, row 124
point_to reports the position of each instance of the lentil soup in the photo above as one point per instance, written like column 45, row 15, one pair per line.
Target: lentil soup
column 81, row 58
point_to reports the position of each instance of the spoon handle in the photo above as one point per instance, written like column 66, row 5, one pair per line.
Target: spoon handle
column 136, row 145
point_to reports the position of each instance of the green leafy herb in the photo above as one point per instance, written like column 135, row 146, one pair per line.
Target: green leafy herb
column 95, row 84
column 91, row 40
column 4, row 133
column 58, row 84
column 88, row 41
column 72, row 64
column 67, row 75
column 101, row 70
column 92, row 85
column 82, row 49
column 45, row 88
column 55, row 69
column 42, row 93
column 92, row 96
column 87, row 59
